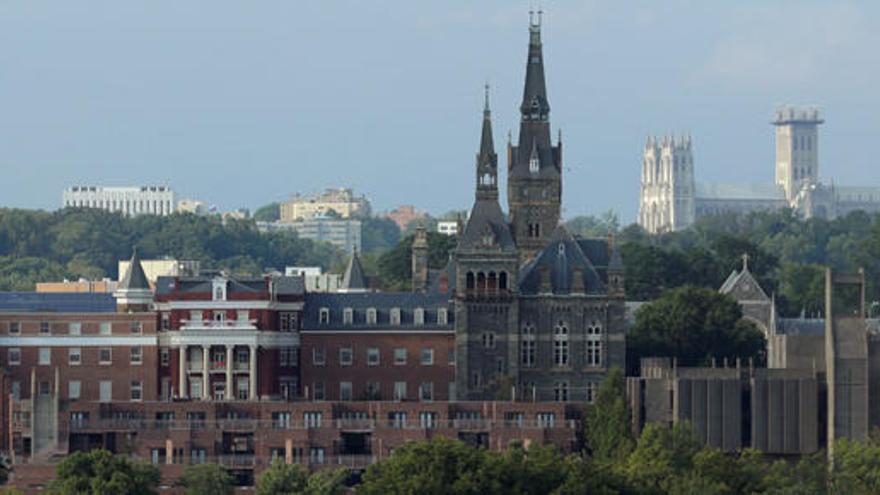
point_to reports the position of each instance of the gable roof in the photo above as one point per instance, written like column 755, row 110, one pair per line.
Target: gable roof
column 563, row 259
column 742, row 286
column 354, row 277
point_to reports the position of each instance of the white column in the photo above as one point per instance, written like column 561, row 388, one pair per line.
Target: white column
column 252, row 387
column 229, row 356
column 205, row 394
column 183, row 392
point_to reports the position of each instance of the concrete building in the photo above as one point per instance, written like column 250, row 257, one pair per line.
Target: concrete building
column 144, row 200
column 671, row 199
column 447, row 228
column 339, row 203
column 344, row 234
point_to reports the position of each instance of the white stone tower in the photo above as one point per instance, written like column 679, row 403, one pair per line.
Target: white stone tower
column 797, row 148
column 667, row 192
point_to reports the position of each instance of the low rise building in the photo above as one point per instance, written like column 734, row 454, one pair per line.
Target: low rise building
column 447, row 227
column 315, row 278
column 149, row 200
column 338, row 203
column 344, row 234
column 81, row 285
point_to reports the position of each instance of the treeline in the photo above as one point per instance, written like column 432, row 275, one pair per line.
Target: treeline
column 786, row 253
column 71, row 243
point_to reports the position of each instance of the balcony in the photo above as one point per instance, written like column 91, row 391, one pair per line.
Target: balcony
column 218, row 324
column 217, row 366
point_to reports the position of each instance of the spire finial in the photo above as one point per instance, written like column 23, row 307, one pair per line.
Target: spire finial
column 745, row 258
column 486, row 103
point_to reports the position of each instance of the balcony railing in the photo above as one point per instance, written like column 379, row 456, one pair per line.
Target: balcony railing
column 218, row 324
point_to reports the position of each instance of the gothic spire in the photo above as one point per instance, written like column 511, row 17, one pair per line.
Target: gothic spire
column 487, row 160
column 535, row 105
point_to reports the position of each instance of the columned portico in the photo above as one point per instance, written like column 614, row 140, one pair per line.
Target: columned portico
column 229, row 365
column 252, row 361
column 182, row 371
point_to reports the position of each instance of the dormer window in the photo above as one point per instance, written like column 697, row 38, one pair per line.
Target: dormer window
column 347, row 316
column 534, row 164
column 419, row 316
column 395, row 316
column 442, row 316
column 371, row 316
column 219, row 289
column 324, row 316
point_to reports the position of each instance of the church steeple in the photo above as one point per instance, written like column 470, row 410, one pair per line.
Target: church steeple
column 487, row 160
column 535, row 106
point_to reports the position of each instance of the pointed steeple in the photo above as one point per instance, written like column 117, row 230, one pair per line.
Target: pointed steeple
column 354, row 279
column 487, row 160
column 535, row 106
column 133, row 293
column 134, row 278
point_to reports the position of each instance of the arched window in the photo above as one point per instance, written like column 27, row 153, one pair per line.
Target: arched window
column 492, row 281
column 469, row 281
column 481, row 281
column 594, row 343
column 527, row 345
column 502, row 280
column 560, row 344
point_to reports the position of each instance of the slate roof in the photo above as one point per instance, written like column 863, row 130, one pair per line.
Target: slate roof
column 487, row 221
column 134, row 278
column 382, row 302
column 287, row 286
column 57, row 302
column 354, row 277
column 562, row 257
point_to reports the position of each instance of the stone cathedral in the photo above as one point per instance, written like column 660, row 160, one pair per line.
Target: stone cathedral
column 539, row 313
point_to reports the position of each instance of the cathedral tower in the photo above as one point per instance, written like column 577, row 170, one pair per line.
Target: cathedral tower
column 667, row 201
column 797, row 148
column 534, row 185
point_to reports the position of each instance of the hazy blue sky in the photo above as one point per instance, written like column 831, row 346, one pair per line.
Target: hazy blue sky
column 242, row 102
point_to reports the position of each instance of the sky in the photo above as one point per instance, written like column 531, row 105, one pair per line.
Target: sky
column 243, row 103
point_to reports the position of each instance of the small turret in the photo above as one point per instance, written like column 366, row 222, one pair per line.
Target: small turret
column 420, row 260
column 133, row 294
column 354, row 279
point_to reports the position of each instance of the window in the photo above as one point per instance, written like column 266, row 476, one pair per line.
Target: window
column 371, row 316
column 428, row 419
column 137, row 390
column 324, row 316
column 281, row 419
column 560, row 344
column 418, row 316
column 400, row 356
column 397, row 419
column 137, row 355
column 318, row 393
column 45, row 356
column 318, row 358
column 346, row 356
column 591, row 392
column 476, row 379
column 74, row 356
column 347, row 316
column 374, row 391
column 242, row 315
column 312, row 419
column 13, row 356
column 164, row 357
column 527, row 343
column 135, row 327
column 546, row 420
column 219, row 316
column 488, row 340
column 197, row 456
column 426, row 391
column 450, row 357
column 560, row 391
column 195, row 316
column 290, row 322
column 514, row 419
column 105, row 391
column 316, row 455
column 395, row 316
column 345, row 391
column 73, row 389
column 166, row 321
column 44, row 388
column 243, row 389
column 399, row 390
column 106, row 328
column 14, row 327
column 287, row 357
column 157, row 456
column 105, row 355
column 44, row 328
column 16, row 390
column 442, row 316
column 594, row 344
column 373, row 356
column 427, row 358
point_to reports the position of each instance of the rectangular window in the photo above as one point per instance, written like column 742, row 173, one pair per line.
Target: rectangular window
column 428, row 419
column 243, row 389
column 426, row 391
column 106, row 328
column 418, row 317
column 594, row 353
column 560, row 391
column 324, row 316
column 137, row 355
column 44, row 387
column 395, row 316
column 450, row 357
column 546, row 420
column 514, row 419
column 16, row 390
column 73, row 389
column 137, row 390
column 442, row 316
column 288, row 322
column 347, row 316
column 164, row 357
column 427, row 356
column 316, row 455
column 591, row 392
column 345, row 391
column 318, row 393
column 399, row 391
column 318, row 357
column 488, row 340
column 374, row 391
column 166, row 321
column 74, row 356
column 397, row 419
column 13, row 356
column 288, row 357
column 74, row 328
column 243, row 315
column 44, row 327
column 197, row 456
column 400, row 356
column 346, row 356
column 373, row 356
column 195, row 316
column 45, row 356
column 14, row 327
column 281, row 419
column 105, row 355
column 105, row 391
column 371, row 316
column 135, row 327
column 312, row 419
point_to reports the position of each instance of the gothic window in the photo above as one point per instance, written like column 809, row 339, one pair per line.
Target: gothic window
column 492, row 281
column 594, row 344
column 527, row 345
column 481, row 281
column 560, row 391
column 502, row 280
column 469, row 280
column 534, row 164
column 560, row 344
column 488, row 340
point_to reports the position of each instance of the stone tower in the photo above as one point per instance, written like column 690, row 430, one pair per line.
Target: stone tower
column 797, row 148
column 420, row 260
column 534, row 185
column 486, row 263
column 667, row 201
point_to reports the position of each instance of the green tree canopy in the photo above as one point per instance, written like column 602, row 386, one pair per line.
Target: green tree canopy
column 99, row 472
column 395, row 266
column 292, row 479
column 607, row 427
column 268, row 213
column 207, row 479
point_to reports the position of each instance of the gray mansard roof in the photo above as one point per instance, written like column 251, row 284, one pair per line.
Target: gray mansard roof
column 564, row 258
column 57, row 302
column 335, row 305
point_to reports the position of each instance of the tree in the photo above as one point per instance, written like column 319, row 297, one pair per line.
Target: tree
column 99, row 472
column 268, row 213
column 327, row 482
column 607, row 427
column 207, row 479
column 282, row 479
column 855, row 467
column 661, row 455
column 536, row 470
column 594, row 226
column 693, row 325
column 378, row 234
column 395, row 266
